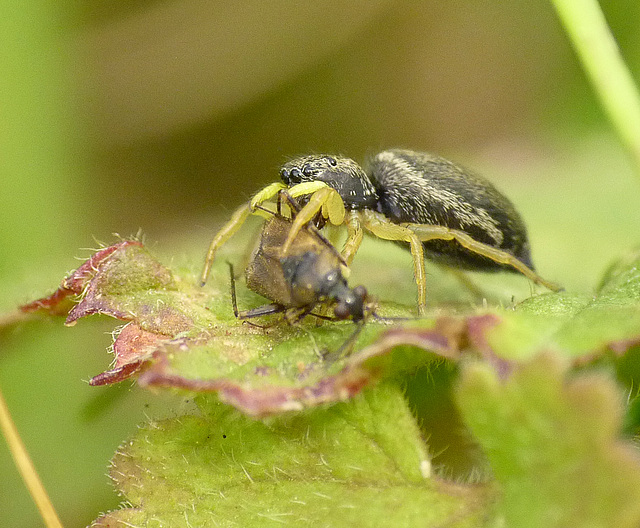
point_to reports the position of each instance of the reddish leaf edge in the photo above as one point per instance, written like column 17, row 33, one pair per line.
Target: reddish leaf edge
column 75, row 284
column 448, row 340
column 144, row 352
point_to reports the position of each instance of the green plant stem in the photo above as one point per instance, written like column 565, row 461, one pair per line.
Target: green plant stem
column 601, row 58
column 26, row 468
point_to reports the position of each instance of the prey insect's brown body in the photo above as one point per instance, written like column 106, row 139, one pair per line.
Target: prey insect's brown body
column 309, row 276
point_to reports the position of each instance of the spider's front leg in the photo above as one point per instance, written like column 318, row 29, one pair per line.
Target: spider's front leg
column 321, row 198
column 235, row 222
column 265, row 194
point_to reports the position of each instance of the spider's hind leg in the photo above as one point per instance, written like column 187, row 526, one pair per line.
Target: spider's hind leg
column 381, row 227
column 435, row 232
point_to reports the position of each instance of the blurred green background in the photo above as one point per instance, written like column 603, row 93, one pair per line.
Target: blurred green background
column 164, row 116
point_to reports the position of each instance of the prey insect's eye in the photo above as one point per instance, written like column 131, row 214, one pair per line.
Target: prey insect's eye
column 332, row 162
column 360, row 292
column 341, row 310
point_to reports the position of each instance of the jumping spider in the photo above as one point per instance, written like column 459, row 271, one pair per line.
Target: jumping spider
column 436, row 207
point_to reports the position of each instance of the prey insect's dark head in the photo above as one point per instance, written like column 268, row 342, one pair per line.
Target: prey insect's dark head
column 343, row 174
column 315, row 277
column 352, row 304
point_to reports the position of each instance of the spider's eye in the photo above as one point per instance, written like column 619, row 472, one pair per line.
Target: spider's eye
column 307, row 171
column 332, row 161
column 284, row 174
column 295, row 176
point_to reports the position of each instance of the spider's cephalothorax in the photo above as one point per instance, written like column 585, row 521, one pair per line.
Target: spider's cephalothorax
column 414, row 198
column 342, row 174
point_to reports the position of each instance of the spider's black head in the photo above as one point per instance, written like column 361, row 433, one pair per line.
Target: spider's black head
column 343, row 174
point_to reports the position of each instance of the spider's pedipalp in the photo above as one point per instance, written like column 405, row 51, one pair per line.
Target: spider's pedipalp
column 314, row 205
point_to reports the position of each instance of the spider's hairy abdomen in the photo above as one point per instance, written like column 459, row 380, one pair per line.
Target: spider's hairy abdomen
column 422, row 188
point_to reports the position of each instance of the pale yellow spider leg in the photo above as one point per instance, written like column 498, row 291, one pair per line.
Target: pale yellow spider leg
column 306, row 214
column 267, row 193
column 332, row 207
column 432, row 232
column 306, row 188
column 237, row 219
column 383, row 228
column 354, row 237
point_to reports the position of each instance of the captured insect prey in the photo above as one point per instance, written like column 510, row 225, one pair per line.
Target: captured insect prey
column 428, row 204
column 309, row 276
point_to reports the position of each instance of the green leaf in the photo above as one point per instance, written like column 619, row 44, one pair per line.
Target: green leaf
column 551, row 440
column 342, row 466
column 182, row 336
column 528, row 415
column 578, row 326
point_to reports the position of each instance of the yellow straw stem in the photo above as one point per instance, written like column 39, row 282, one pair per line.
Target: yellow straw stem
column 26, row 468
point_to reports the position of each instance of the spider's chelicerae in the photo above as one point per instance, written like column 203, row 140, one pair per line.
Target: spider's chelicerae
column 439, row 209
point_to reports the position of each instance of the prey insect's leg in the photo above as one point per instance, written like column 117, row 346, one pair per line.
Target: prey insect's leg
column 232, row 283
column 433, row 232
column 354, row 237
column 346, row 347
column 325, row 195
column 237, row 219
column 267, row 309
column 383, row 228
column 296, row 314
